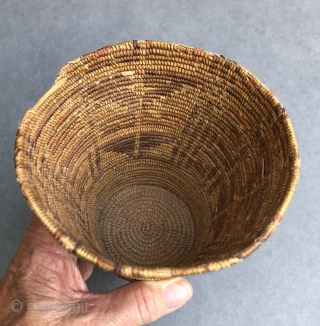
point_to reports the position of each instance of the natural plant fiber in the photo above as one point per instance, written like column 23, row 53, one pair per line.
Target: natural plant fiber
column 153, row 160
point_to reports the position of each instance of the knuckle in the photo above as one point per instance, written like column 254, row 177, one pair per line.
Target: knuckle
column 147, row 303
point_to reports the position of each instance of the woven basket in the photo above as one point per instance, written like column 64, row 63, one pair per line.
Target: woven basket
column 153, row 160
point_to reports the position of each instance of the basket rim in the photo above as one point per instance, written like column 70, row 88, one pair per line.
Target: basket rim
column 130, row 272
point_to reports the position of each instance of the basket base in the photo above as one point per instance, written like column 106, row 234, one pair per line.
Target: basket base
column 146, row 225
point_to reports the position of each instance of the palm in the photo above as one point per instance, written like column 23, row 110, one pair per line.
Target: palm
column 49, row 276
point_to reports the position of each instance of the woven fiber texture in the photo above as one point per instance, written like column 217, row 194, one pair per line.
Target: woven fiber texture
column 153, row 160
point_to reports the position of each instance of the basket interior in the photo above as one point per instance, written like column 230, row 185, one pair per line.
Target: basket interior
column 160, row 158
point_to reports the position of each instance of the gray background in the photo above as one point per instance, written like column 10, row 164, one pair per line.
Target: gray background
column 279, row 41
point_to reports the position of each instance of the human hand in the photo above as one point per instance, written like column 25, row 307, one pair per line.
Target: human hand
column 45, row 285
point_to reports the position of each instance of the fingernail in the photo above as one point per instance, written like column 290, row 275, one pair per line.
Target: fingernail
column 177, row 293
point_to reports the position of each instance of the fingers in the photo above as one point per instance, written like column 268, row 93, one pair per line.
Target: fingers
column 37, row 235
column 141, row 302
column 85, row 268
column 36, row 223
column 37, row 230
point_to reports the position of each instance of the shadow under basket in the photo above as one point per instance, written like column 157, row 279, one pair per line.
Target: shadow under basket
column 154, row 160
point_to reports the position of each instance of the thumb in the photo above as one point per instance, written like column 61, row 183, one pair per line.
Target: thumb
column 140, row 302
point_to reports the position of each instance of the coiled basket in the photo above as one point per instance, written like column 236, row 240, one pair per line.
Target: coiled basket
column 153, row 160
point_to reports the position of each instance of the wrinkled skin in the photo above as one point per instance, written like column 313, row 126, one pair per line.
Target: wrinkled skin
column 43, row 272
